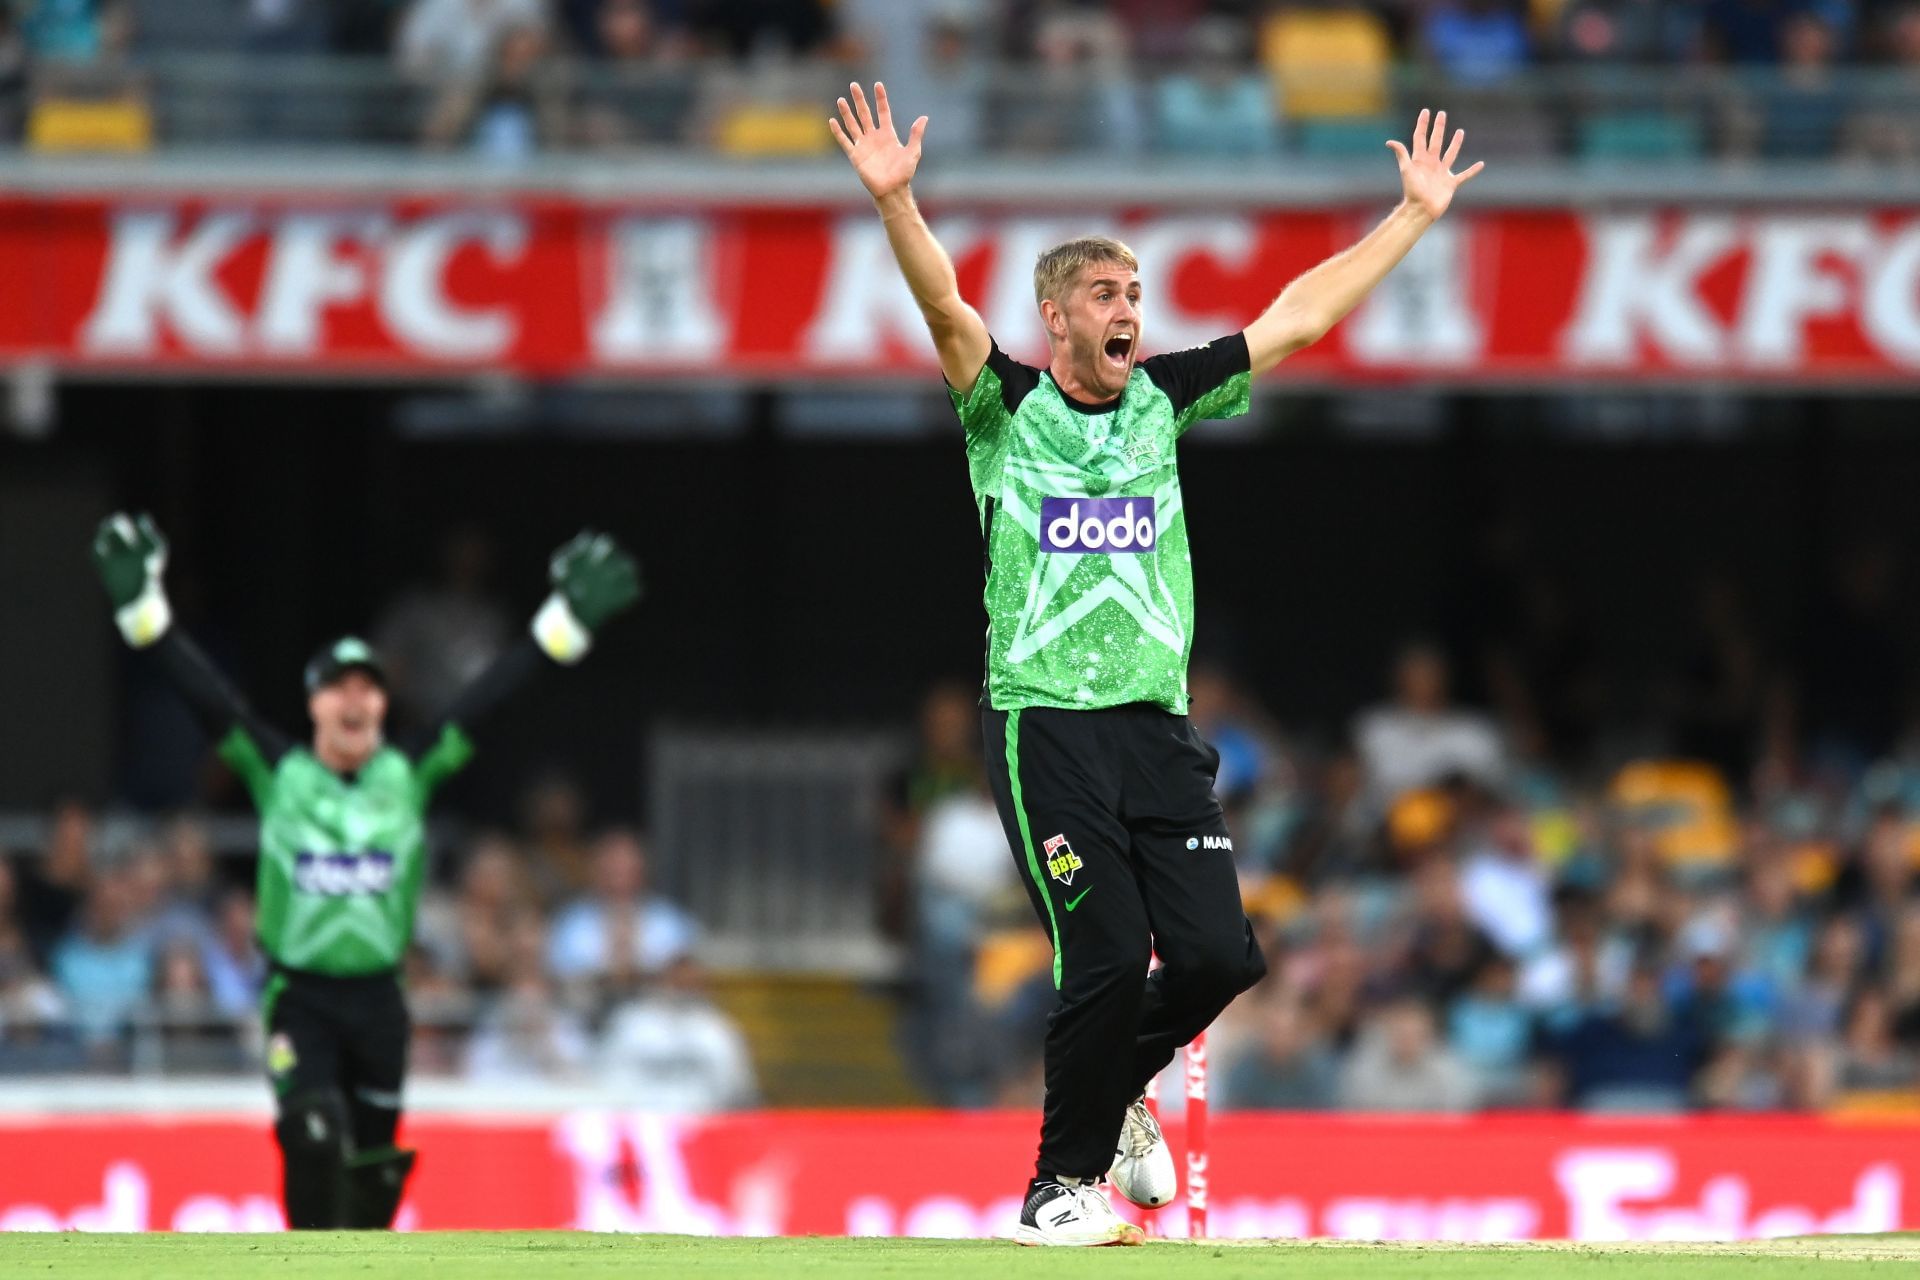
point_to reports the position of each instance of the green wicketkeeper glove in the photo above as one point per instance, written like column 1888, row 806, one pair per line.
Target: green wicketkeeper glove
column 131, row 555
column 593, row 579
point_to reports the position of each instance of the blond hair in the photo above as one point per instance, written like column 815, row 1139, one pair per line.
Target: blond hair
column 1060, row 266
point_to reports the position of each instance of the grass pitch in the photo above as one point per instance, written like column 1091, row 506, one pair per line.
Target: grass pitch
column 580, row 1256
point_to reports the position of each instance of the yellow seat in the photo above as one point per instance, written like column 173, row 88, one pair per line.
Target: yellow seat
column 772, row 129
column 1327, row 62
column 1688, row 805
column 79, row 124
column 1006, row 959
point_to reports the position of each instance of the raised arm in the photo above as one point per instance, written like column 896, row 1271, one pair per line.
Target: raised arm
column 131, row 558
column 593, row 580
column 1321, row 298
column 886, row 166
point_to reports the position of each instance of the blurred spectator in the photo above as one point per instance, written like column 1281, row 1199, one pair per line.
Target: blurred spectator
column 933, row 64
column 673, row 1051
column 1418, row 739
column 618, row 933
column 182, row 870
column 1871, row 1058
column 1887, row 128
column 444, row 42
column 1814, row 1009
column 527, row 1035
column 967, row 885
column 435, row 639
column 235, row 969
column 639, row 92
column 1585, row 969
column 1903, row 976
column 741, row 28
column 1399, row 1065
column 1286, row 1065
column 512, row 111
column 946, row 761
column 286, row 27
column 1476, row 42
column 1640, row 1057
column 1222, row 714
column 1492, row 1033
column 104, row 965
column 1803, row 114
column 553, row 822
column 1219, row 103
column 195, row 1035
column 51, row 890
column 1082, row 95
column 1445, row 948
column 1506, row 891
column 1628, row 32
column 470, row 937
column 29, row 1006
column 13, row 78
column 1747, row 31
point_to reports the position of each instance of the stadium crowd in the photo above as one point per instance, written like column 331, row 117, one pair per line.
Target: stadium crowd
column 541, row 957
column 1694, row 886
column 512, row 78
column 1705, row 894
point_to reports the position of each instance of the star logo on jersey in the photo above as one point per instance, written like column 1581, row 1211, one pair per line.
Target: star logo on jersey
column 1142, row 452
column 1065, row 589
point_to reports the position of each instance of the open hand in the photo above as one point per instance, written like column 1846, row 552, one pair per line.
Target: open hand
column 884, row 163
column 1427, row 180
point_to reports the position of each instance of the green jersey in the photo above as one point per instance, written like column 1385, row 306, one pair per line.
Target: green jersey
column 1089, row 588
column 342, row 859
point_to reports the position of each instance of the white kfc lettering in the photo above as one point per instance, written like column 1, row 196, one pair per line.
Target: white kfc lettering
column 1634, row 290
column 867, row 305
column 660, row 306
column 1890, row 311
column 413, row 290
column 306, row 275
column 1165, row 246
column 153, row 280
column 1791, row 281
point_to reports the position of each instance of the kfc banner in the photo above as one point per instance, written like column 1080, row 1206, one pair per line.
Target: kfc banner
column 932, row 1174
column 563, row 288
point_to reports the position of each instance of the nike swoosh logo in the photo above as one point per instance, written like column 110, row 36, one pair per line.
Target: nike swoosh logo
column 1075, row 901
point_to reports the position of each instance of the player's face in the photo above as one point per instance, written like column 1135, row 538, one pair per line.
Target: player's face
column 1102, row 315
column 348, row 717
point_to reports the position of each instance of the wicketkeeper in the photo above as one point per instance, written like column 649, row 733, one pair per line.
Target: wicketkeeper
column 343, row 857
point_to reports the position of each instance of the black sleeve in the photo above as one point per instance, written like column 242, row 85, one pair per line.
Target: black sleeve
column 215, row 703
column 1188, row 375
column 508, row 673
column 1015, row 381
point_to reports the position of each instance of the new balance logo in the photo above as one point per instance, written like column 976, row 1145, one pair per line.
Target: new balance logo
column 1210, row 842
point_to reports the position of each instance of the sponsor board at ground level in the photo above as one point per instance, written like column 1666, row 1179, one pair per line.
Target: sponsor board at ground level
column 1499, row 1178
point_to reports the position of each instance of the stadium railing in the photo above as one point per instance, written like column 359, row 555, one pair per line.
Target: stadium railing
column 1591, row 115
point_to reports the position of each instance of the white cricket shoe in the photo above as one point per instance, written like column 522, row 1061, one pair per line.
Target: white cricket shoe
column 1143, row 1165
column 1070, row 1212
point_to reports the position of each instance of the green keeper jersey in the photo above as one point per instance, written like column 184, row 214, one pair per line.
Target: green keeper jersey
column 342, row 859
column 1089, row 588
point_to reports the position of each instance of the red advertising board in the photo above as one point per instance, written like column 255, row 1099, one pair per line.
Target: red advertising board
column 561, row 287
column 924, row 1173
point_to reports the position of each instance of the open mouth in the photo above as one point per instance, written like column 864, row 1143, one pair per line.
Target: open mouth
column 1119, row 350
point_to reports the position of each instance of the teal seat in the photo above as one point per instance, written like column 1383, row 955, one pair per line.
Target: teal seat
column 1640, row 135
column 1346, row 137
